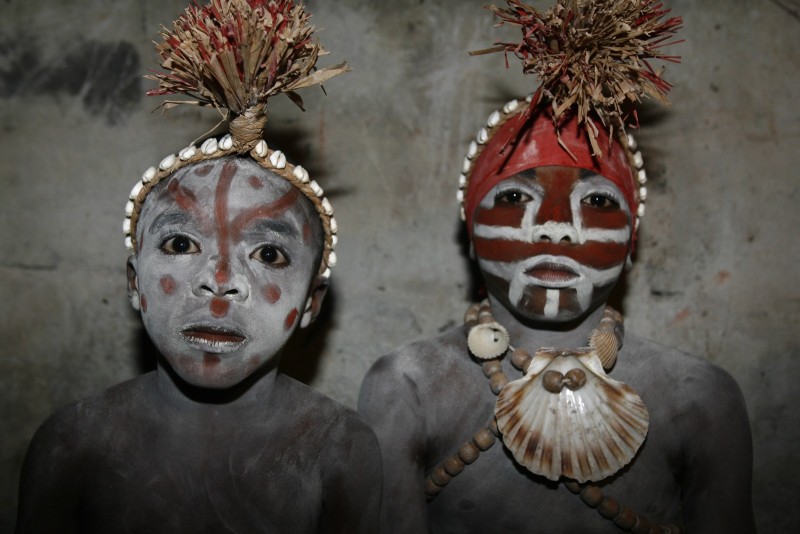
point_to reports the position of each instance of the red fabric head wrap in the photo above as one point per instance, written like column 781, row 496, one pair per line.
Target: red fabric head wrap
column 537, row 146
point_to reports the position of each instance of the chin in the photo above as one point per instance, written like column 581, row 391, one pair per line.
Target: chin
column 212, row 371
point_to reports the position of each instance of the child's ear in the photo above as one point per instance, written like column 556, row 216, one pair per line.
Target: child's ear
column 319, row 287
column 133, row 283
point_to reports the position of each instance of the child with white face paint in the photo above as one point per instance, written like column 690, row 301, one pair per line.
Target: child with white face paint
column 540, row 414
column 231, row 250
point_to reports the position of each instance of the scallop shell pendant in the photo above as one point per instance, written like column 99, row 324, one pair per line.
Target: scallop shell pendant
column 567, row 418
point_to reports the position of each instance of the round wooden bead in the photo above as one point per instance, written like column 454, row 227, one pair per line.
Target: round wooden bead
column 431, row 488
column 491, row 367
column 493, row 427
column 642, row 525
column 592, row 495
column 573, row 486
column 626, row 518
column 468, row 453
column 551, row 381
column 440, row 476
column 483, row 439
column 609, row 508
column 453, row 465
column 497, row 382
column 576, row 379
column 520, row 358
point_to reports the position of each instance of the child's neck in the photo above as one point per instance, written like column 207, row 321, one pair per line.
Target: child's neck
column 253, row 392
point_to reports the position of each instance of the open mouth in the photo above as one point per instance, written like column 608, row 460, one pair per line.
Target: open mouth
column 213, row 339
column 553, row 274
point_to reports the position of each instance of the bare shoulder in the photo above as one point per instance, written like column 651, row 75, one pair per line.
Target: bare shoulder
column 422, row 362
column 81, row 424
column 682, row 375
column 689, row 391
column 321, row 418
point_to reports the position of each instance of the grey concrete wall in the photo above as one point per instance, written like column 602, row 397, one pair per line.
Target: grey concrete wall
column 716, row 271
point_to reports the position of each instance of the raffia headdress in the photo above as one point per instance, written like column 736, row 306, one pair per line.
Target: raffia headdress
column 233, row 55
column 592, row 59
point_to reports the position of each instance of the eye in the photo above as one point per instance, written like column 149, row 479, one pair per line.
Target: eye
column 512, row 197
column 270, row 255
column 600, row 201
column 179, row 244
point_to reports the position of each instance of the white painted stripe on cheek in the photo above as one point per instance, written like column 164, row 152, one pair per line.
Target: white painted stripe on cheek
column 604, row 235
column 509, row 233
column 551, row 305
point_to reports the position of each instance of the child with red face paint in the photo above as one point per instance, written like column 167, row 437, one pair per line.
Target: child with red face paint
column 540, row 414
column 231, row 253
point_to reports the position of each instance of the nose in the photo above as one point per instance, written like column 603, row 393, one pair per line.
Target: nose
column 555, row 232
column 553, row 221
column 221, row 279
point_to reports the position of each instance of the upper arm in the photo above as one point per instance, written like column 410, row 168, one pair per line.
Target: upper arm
column 353, row 479
column 390, row 402
column 48, row 489
column 718, row 456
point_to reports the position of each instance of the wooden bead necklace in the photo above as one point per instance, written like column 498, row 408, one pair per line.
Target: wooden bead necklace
column 491, row 353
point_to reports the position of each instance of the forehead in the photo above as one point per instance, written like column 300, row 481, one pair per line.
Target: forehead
column 556, row 178
column 229, row 186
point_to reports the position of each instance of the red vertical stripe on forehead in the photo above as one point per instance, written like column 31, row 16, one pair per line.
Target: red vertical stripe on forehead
column 501, row 214
column 221, row 212
column 595, row 254
column 557, row 183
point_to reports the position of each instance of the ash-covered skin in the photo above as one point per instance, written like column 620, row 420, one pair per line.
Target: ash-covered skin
column 551, row 243
column 215, row 439
column 228, row 250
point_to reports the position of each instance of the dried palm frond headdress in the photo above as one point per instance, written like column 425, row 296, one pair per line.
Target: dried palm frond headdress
column 233, row 55
column 592, row 58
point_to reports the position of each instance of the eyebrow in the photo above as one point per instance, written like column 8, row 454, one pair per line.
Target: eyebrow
column 271, row 226
column 167, row 218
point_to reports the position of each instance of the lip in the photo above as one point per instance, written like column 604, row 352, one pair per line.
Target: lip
column 213, row 339
column 552, row 274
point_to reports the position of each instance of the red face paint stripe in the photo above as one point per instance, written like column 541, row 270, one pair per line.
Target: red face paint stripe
column 185, row 199
column 221, row 213
column 606, row 220
column 501, row 215
column 271, row 210
column 219, row 307
column 143, row 303
column 598, row 255
column 557, row 183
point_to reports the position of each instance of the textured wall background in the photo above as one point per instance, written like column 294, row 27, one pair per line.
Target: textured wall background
column 716, row 272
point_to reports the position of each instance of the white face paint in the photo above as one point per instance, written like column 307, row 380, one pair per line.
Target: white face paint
column 552, row 242
column 227, row 254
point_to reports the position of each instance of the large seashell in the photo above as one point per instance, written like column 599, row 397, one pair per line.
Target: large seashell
column 583, row 431
column 488, row 340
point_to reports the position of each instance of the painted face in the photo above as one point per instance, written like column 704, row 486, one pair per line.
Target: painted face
column 552, row 242
column 227, row 252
